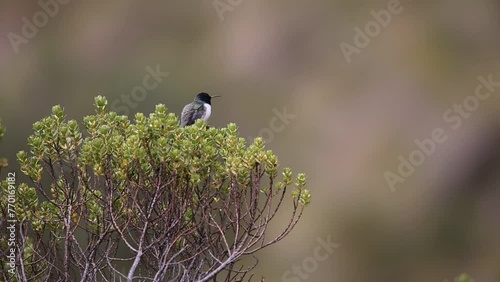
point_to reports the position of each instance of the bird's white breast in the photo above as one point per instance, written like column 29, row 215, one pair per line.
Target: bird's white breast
column 208, row 111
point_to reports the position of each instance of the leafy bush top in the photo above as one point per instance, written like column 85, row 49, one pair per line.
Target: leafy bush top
column 186, row 203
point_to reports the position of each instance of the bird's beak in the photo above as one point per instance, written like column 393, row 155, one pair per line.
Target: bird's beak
column 215, row 96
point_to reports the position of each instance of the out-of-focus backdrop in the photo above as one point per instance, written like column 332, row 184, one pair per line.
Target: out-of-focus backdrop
column 391, row 108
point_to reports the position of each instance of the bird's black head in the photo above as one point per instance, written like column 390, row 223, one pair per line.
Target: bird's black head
column 204, row 97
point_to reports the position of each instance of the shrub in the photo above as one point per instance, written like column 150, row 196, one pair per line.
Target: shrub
column 146, row 200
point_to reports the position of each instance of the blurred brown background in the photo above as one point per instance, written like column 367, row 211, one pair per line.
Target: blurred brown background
column 349, row 122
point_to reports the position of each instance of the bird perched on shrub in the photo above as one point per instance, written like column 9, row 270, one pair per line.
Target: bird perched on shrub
column 200, row 108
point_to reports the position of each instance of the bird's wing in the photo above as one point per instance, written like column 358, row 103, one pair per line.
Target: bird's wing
column 191, row 114
column 185, row 115
column 197, row 112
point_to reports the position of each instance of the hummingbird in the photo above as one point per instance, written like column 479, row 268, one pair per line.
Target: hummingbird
column 200, row 108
